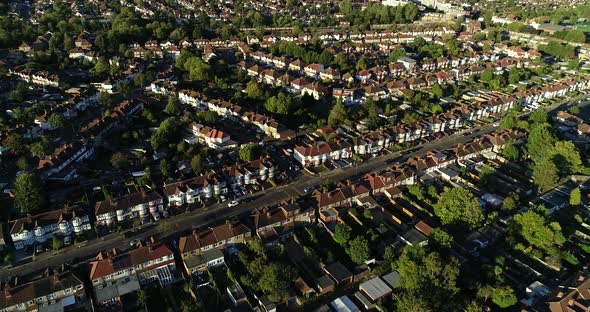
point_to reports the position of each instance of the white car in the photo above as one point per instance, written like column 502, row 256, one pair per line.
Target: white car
column 233, row 203
column 156, row 216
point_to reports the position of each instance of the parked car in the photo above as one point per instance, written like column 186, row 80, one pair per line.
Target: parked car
column 233, row 203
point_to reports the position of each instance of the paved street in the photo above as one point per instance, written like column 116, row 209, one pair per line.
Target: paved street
column 219, row 212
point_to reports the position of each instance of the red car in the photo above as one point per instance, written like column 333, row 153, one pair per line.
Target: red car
column 437, row 135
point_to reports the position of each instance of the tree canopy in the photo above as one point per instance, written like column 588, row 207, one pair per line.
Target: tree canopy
column 428, row 282
column 338, row 114
column 29, row 194
column 457, row 206
column 359, row 250
column 249, row 152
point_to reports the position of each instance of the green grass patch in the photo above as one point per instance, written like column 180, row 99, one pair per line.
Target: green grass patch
column 569, row 258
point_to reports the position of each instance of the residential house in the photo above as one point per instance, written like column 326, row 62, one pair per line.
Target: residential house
column 114, row 274
column 194, row 190
column 62, row 157
column 272, row 224
column 251, row 172
column 51, row 292
column 572, row 295
column 40, row 228
column 196, row 249
column 211, row 137
column 318, row 153
column 135, row 206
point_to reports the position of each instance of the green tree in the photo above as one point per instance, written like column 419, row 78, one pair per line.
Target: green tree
column 249, row 152
column 487, row 75
column 198, row 69
column 165, row 133
column 342, row 234
column 437, row 91
column 441, row 239
column 41, row 147
column 531, row 226
column 56, row 120
column 359, row 250
column 101, row 68
column 254, row 90
column 428, row 282
column 275, row 281
column 338, row 114
column 141, row 298
column 257, row 247
column 395, row 54
column 362, row 64
column 486, row 176
column 20, row 93
column 473, row 306
column 511, row 151
column 504, row 297
column 14, row 143
column 196, row 164
column 119, row 160
column 173, row 107
column 458, row 206
column 538, row 117
column 164, row 168
column 540, row 142
column 416, row 191
column 29, row 195
column 280, row 104
column 105, row 99
column 209, row 117
column 22, row 163
column 567, row 158
column 510, row 203
column 545, row 174
column 575, row 197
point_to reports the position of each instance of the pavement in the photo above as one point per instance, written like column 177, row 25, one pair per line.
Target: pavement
column 220, row 211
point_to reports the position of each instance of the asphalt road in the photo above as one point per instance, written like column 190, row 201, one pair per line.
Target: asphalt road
column 219, row 212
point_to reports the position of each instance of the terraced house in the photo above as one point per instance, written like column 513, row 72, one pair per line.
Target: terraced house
column 194, row 190
column 117, row 273
column 272, row 224
column 250, row 172
column 42, row 227
column 318, row 153
column 51, row 292
column 203, row 249
column 139, row 205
